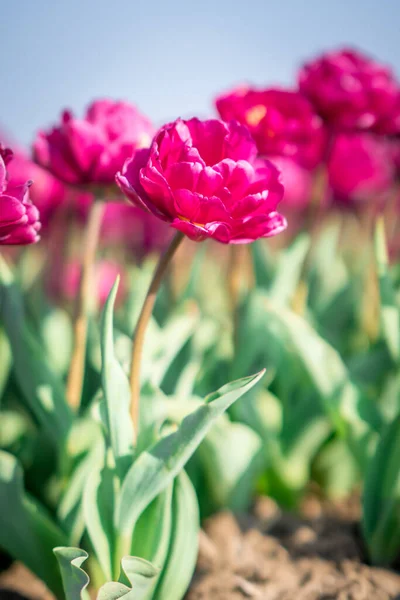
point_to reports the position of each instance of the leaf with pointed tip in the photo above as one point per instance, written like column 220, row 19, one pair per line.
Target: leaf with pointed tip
column 116, row 390
column 155, row 468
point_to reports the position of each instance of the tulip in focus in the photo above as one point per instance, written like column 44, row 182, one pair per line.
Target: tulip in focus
column 203, row 178
column 91, row 150
column 360, row 168
column 351, row 91
column 282, row 123
column 19, row 218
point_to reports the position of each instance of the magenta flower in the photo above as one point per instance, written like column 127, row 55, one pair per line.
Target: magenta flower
column 47, row 194
column 350, row 90
column 282, row 122
column 297, row 181
column 105, row 274
column 19, row 218
column 203, row 177
column 360, row 167
column 91, row 150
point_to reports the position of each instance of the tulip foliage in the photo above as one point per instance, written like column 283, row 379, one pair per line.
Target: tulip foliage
column 113, row 443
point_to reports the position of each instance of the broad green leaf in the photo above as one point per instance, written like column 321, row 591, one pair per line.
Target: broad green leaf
column 56, row 326
column 116, row 393
column 136, row 581
column 231, row 455
column 155, row 468
column 42, row 389
column 381, row 498
column 182, row 554
column 290, row 340
column 26, row 532
column 153, row 529
column 75, row 579
column 98, row 512
column 289, row 270
column 70, row 509
column 389, row 309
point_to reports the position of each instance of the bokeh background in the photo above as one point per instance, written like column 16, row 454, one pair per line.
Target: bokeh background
column 169, row 57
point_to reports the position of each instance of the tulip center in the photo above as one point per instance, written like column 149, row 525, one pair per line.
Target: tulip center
column 255, row 115
column 191, row 222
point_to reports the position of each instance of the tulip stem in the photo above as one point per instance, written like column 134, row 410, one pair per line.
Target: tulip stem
column 84, row 305
column 141, row 325
column 235, row 274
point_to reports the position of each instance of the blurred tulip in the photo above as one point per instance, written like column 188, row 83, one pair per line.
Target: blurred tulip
column 360, row 168
column 282, row 122
column 350, row 90
column 19, row 218
column 91, row 150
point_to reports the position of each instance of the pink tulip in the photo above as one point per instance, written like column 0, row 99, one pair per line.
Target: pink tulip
column 105, row 275
column 19, row 218
column 204, row 179
column 350, row 90
column 91, row 150
column 47, row 193
column 282, row 122
column 360, row 167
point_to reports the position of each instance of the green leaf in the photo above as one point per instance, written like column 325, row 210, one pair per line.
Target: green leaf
column 116, row 391
column 98, row 512
column 155, row 468
column 137, row 578
column 56, row 326
column 289, row 271
column 182, row 554
column 70, row 510
column 389, row 309
column 75, row 579
column 153, row 530
column 42, row 389
column 231, row 455
column 26, row 531
column 381, row 498
column 290, row 340
column 5, row 364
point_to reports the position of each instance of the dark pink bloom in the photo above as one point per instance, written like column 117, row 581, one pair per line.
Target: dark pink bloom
column 47, row 194
column 105, row 274
column 282, row 122
column 360, row 167
column 203, row 177
column 297, row 181
column 91, row 150
column 19, row 218
column 350, row 90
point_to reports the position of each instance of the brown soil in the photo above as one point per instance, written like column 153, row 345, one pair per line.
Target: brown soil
column 275, row 556
column 268, row 555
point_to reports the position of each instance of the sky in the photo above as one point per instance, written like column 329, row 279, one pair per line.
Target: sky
column 170, row 57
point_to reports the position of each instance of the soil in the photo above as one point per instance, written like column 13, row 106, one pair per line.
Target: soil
column 278, row 556
column 268, row 555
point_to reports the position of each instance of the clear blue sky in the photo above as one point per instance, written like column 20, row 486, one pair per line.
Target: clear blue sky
column 170, row 57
